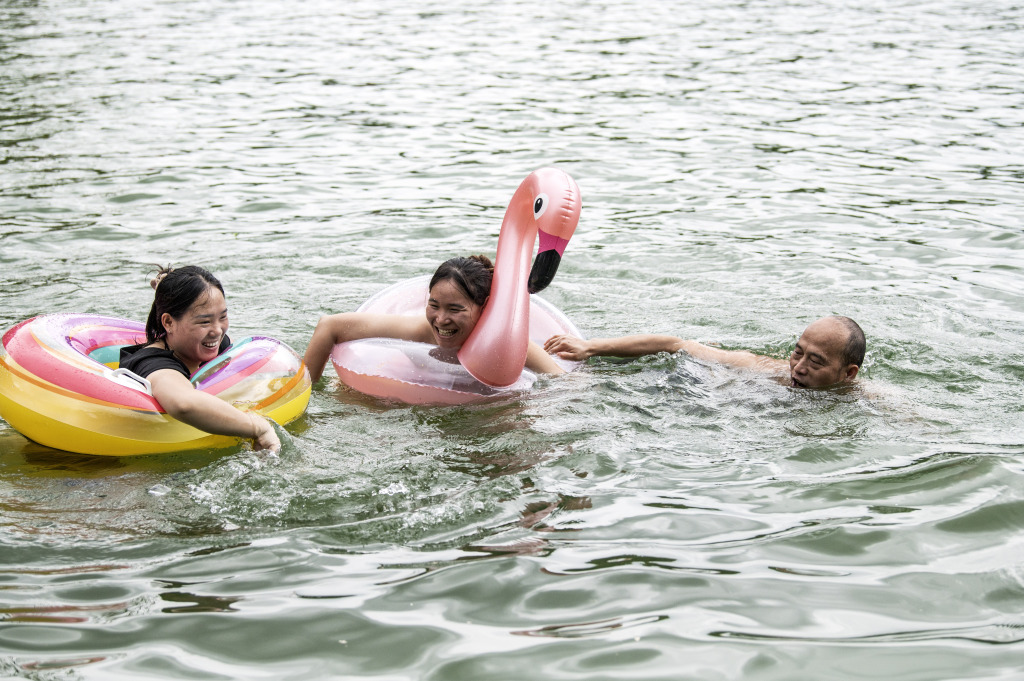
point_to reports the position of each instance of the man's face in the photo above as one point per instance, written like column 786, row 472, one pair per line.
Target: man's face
column 816, row 362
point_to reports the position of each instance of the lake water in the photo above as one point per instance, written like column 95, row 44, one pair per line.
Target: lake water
column 745, row 167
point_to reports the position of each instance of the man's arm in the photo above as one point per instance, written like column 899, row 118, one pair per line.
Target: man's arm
column 578, row 349
column 570, row 347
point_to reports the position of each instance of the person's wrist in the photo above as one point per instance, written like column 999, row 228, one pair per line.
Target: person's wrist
column 258, row 425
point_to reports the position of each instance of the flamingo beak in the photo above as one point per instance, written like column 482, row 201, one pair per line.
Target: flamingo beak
column 545, row 265
column 549, row 256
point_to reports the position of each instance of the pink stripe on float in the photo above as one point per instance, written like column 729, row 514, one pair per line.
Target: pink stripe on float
column 221, row 381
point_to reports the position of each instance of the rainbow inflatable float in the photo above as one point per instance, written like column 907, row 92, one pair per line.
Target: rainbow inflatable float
column 546, row 206
column 60, row 386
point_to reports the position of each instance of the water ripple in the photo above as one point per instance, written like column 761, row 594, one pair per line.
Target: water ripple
column 746, row 167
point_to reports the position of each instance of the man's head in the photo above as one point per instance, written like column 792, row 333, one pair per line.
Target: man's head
column 829, row 351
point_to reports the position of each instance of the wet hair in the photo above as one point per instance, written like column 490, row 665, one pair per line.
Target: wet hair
column 176, row 290
column 472, row 275
column 856, row 344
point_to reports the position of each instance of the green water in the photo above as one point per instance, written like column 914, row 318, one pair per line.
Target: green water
column 745, row 167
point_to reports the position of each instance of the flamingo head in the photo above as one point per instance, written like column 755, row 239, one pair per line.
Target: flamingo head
column 556, row 210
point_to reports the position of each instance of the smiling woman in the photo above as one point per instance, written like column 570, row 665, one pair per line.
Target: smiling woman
column 456, row 296
column 458, row 291
column 187, row 327
column 84, row 383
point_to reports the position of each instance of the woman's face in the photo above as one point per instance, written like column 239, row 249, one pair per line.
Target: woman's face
column 451, row 314
column 195, row 337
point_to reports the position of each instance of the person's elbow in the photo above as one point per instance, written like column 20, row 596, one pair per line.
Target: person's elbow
column 324, row 329
column 177, row 397
column 675, row 344
column 181, row 406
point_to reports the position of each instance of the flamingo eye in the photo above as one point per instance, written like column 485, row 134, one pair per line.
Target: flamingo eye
column 540, row 204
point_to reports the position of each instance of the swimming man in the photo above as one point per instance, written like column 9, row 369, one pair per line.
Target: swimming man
column 829, row 352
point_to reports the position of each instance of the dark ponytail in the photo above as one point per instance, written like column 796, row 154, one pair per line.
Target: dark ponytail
column 472, row 275
column 176, row 290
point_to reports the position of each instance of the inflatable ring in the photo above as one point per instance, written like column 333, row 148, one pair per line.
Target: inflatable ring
column 491, row 362
column 421, row 373
column 60, row 386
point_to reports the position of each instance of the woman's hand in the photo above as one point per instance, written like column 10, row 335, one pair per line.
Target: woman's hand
column 266, row 437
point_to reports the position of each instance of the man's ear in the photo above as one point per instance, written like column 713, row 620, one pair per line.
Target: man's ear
column 851, row 372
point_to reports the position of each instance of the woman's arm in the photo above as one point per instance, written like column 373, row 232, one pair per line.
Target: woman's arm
column 201, row 410
column 541, row 362
column 347, row 326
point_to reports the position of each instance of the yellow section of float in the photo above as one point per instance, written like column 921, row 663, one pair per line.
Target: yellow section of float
column 60, row 418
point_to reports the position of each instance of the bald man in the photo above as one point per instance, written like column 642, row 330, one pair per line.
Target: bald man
column 830, row 352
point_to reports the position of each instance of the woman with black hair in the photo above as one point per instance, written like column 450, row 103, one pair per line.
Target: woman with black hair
column 187, row 327
column 457, row 294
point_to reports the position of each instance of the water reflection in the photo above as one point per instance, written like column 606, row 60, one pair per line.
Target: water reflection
column 745, row 167
column 192, row 603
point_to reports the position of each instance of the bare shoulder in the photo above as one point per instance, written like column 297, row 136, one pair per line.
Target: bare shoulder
column 770, row 365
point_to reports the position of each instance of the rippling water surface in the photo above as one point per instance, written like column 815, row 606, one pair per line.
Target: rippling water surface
column 746, row 167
